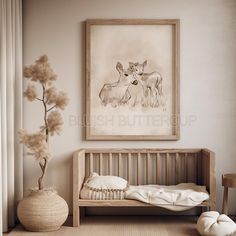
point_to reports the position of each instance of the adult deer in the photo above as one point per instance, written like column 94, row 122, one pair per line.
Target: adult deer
column 117, row 93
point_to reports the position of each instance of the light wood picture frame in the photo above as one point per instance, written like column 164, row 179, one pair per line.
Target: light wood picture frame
column 132, row 79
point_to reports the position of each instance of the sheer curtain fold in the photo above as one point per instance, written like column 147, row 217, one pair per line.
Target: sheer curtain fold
column 11, row 154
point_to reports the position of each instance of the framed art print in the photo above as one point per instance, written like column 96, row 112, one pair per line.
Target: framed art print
column 132, row 79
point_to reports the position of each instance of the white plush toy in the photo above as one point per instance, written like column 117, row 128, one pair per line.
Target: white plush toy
column 211, row 223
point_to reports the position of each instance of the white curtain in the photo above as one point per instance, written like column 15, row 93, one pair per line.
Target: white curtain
column 11, row 155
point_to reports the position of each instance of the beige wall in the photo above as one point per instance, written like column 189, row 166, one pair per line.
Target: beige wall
column 208, row 76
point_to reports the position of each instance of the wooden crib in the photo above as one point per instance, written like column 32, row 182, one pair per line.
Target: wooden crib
column 143, row 166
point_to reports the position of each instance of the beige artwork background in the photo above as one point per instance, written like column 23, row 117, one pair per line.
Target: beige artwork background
column 130, row 43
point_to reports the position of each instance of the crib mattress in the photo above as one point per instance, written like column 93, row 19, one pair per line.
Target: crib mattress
column 179, row 197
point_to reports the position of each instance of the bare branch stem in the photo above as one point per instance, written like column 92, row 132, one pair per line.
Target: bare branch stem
column 45, row 113
column 51, row 108
column 41, row 178
column 43, row 166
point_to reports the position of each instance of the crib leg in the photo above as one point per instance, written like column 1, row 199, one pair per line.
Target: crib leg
column 213, row 206
column 82, row 212
column 76, row 217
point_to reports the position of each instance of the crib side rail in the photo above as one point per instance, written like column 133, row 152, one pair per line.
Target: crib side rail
column 146, row 166
column 208, row 175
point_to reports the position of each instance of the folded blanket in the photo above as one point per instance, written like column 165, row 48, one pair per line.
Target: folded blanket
column 175, row 197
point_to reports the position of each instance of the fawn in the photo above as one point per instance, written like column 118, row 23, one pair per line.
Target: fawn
column 151, row 82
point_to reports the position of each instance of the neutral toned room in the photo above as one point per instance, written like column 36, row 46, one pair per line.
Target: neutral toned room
column 118, row 117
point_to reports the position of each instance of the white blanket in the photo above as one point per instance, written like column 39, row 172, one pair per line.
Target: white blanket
column 175, row 197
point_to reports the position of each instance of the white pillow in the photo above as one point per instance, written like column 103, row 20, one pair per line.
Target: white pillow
column 211, row 223
column 96, row 181
column 104, row 188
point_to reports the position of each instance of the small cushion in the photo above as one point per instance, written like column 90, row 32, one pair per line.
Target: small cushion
column 106, row 182
column 211, row 223
column 104, row 187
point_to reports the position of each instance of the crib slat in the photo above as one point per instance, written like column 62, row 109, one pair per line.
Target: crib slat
column 129, row 168
column 138, row 169
column 147, row 168
column 90, row 162
column 157, row 167
column 177, row 168
column 196, row 167
column 186, row 167
column 199, row 169
column 100, row 163
column 110, row 164
column 119, row 164
column 166, row 167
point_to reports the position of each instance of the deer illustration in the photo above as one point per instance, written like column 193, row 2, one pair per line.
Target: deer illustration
column 117, row 93
column 151, row 82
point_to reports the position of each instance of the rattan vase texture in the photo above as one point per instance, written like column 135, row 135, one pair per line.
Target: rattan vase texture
column 42, row 211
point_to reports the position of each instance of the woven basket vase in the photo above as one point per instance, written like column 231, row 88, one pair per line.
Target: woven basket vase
column 42, row 211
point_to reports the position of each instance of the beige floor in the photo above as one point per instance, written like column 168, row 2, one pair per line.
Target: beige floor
column 123, row 226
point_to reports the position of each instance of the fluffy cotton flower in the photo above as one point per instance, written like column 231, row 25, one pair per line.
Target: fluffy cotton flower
column 62, row 100
column 36, row 143
column 51, row 95
column 41, row 71
column 28, row 71
column 30, row 92
column 54, row 122
column 42, row 59
column 59, row 99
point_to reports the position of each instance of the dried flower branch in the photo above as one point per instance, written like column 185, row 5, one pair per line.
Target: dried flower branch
column 40, row 71
column 30, row 92
column 55, row 122
column 58, row 99
column 62, row 100
column 51, row 95
column 37, row 143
